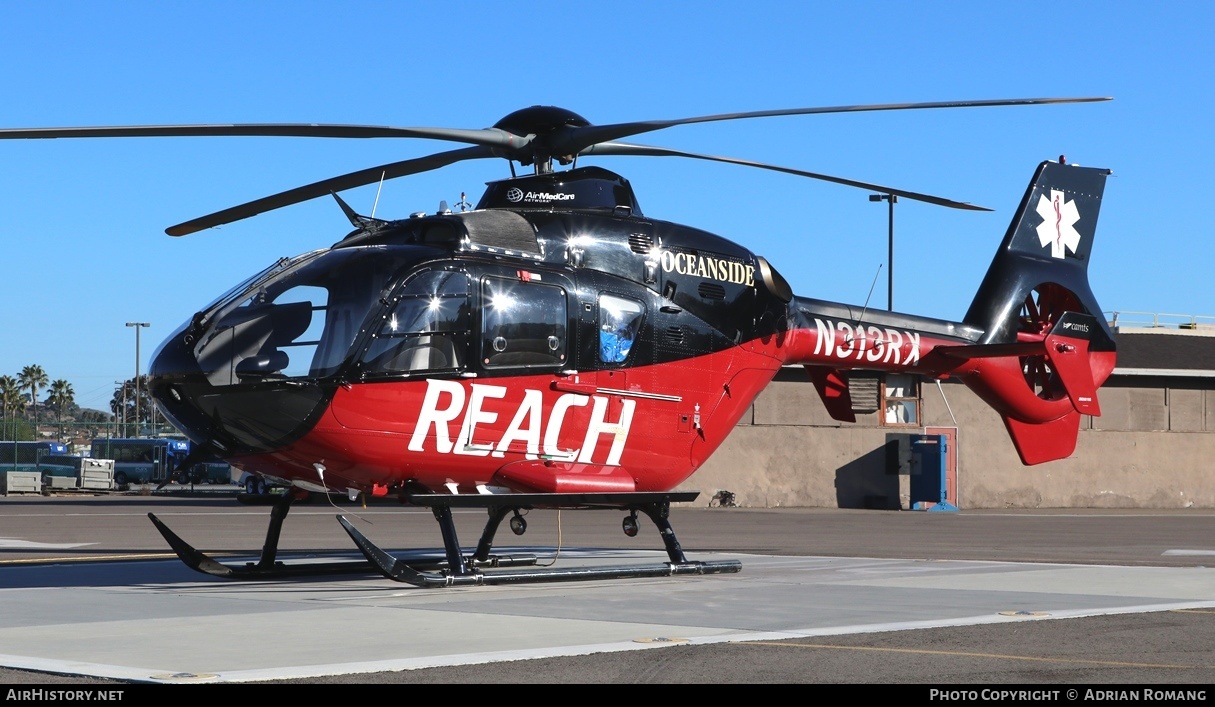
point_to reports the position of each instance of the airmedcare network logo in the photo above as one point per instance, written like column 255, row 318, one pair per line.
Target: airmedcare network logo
column 545, row 197
column 516, row 195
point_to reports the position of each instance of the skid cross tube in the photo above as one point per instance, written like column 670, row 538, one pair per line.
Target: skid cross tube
column 466, row 571
column 277, row 515
column 660, row 514
column 496, row 516
column 451, row 542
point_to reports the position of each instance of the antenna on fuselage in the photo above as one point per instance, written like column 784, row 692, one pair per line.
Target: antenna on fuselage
column 378, row 189
column 870, row 295
column 865, row 308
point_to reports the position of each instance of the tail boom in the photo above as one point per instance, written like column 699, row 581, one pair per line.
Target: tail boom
column 1034, row 345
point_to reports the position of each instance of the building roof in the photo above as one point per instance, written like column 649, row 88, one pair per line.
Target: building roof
column 1165, row 351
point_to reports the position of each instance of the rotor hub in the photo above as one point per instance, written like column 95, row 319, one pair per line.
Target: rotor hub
column 540, row 121
column 543, row 122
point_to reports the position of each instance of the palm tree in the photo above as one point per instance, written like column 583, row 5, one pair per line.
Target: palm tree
column 10, row 395
column 33, row 377
column 62, row 396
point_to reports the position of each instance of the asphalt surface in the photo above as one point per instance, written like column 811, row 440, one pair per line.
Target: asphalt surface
column 1126, row 597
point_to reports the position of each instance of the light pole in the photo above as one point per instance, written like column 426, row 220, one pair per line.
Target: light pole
column 892, row 199
column 138, row 326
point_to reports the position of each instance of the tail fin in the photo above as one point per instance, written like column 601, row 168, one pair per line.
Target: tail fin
column 1049, row 241
column 1046, row 347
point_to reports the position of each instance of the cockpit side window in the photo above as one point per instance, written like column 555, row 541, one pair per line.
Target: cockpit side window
column 619, row 324
column 426, row 327
column 523, row 323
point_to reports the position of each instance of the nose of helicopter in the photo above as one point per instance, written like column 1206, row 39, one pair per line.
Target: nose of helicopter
column 223, row 411
column 169, row 381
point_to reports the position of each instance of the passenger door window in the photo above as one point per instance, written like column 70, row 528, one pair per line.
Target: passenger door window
column 523, row 323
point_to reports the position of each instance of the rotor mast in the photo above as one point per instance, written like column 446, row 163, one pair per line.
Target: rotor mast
column 544, row 128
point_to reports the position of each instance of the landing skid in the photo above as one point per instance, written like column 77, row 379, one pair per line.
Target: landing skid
column 453, row 567
column 459, row 570
column 269, row 567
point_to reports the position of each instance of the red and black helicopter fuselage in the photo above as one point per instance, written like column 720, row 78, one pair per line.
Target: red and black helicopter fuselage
column 551, row 340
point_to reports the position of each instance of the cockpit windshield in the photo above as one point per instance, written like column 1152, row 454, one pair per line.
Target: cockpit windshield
column 300, row 321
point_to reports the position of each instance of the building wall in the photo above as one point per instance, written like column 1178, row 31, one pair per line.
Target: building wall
column 1152, row 447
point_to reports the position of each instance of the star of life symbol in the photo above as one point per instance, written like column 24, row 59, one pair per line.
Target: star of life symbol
column 1058, row 224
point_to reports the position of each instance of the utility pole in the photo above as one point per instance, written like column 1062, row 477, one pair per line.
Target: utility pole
column 138, row 326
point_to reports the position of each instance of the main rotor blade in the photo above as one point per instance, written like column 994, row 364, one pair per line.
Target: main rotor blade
column 621, row 148
column 334, row 184
column 574, row 140
column 489, row 137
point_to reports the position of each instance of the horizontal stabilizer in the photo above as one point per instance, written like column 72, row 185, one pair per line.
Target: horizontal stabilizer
column 832, row 387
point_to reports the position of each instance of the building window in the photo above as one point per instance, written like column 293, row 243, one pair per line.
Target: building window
column 900, row 400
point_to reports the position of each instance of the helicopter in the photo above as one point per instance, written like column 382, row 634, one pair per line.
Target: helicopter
column 553, row 347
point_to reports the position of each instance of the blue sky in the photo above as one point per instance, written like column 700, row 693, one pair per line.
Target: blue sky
column 82, row 221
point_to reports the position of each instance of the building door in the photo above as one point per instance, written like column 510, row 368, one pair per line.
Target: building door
column 951, row 461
